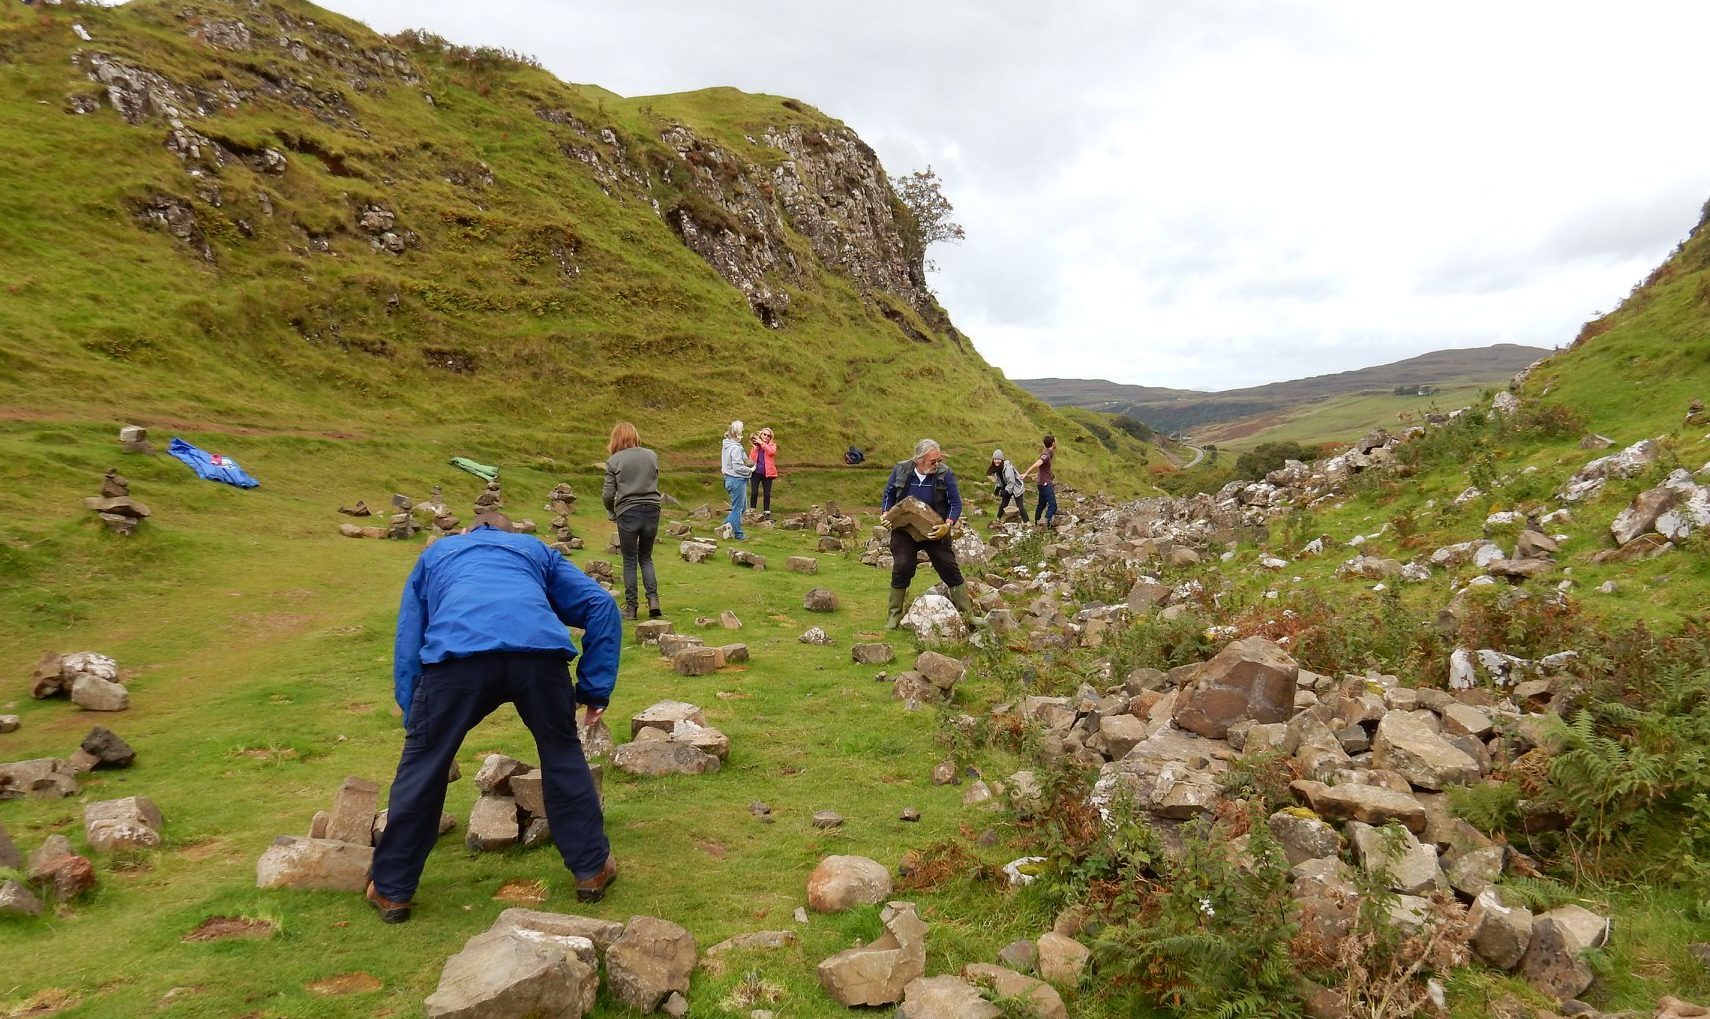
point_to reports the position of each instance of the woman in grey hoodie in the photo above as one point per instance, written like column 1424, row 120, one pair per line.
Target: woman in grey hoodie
column 733, row 462
column 631, row 495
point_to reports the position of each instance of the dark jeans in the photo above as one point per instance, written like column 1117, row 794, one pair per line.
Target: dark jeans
column 1004, row 499
column 1047, row 507
column 637, row 528
column 450, row 698
column 757, row 485
column 941, row 554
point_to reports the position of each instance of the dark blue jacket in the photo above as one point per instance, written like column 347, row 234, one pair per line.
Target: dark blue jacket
column 939, row 491
column 490, row 590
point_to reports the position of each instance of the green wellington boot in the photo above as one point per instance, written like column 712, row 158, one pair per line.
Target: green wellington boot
column 893, row 619
column 964, row 604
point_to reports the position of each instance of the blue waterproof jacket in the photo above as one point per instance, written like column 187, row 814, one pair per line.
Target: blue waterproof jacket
column 490, row 590
column 210, row 466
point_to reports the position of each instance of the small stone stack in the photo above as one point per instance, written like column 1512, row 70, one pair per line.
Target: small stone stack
column 490, row 500
column 561, row 502
column 134, row 439
column 403, row 523
column 115, row 506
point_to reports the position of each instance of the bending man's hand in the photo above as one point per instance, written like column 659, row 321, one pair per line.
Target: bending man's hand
column 591, row 716
column 940, row 532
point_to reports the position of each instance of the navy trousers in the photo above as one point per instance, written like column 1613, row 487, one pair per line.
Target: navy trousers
column 450, row 698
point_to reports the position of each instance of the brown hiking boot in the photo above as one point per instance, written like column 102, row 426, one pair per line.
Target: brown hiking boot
column 390, row 912
column 593, row 889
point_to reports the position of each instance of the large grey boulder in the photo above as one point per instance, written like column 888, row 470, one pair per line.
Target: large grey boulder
column 876, row 974
column 1303, row 837
column 843, row 882
column 92, row 693
column 493, row 824
column 651, row 959
column 1406, row 745
column 507, row 973
column 107, row 748
column 942, row 670
column 16, row 899
column 1250, row 680
column 314, row 865
column 133, row 822
column 665, row 715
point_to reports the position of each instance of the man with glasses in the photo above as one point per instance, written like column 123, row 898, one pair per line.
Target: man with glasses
column 928, row 478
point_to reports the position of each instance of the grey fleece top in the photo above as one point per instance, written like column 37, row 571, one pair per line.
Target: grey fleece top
column 733, row 461
column 632, row 479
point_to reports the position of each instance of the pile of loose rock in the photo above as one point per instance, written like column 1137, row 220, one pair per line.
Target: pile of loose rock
column 512, row 805
column 57, row 776
column 671, row 738
column 134, row 439
column 338, row 852
column 91, row 680
column 121, row 513
column 892, row 968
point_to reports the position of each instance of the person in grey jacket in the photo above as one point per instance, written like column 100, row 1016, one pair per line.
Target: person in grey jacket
column 631, row 495
column 733, row 462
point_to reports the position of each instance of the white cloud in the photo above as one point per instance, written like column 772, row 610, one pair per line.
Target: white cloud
column 1209, row 195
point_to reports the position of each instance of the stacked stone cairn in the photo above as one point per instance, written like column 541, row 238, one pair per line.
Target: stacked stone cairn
column 688, row 654
column 491, row 498
column 114, row 505
column 671, row 738
column 512, row 806
column 90, row 679
column 402, row 526
column 338, row 852
column 134, row 439
column 561, row 502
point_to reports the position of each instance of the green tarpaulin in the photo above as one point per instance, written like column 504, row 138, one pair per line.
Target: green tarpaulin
column 481, row 471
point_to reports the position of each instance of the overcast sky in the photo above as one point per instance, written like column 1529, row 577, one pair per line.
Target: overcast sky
column 1215, row 194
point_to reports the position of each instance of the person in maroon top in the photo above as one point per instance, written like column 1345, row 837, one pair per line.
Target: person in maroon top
column 1047, row 506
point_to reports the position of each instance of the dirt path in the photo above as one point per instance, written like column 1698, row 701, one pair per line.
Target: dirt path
column 178, row 424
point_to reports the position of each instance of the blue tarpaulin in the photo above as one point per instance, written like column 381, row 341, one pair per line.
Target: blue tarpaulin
column 211, row 466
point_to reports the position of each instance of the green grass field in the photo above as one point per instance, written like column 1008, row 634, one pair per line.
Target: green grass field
column 1336, row 420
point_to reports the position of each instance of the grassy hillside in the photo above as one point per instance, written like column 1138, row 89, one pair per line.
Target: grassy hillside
column 1337, row 419
column 357, row 235
column 1172, row 410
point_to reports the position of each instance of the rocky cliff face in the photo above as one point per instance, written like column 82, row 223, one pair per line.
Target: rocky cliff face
column 816, row 200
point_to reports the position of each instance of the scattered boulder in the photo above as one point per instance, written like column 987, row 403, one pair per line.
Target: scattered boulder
column 659, row 757
column 1554, row 963
column 941, row 670
column 1062, row 960
column 1406, row 745
column 352, row 816
column 814, row 635
column 41, row 776
column 802, row 564
column 92, row 693
column 16, row 899
column 878, row 973
column 944, row 997
column 1499, row 933
column 933, row 617
column 1251, row 679
column 493, row 823
column 1037, row 996
column 510, row 970
column 843, row 882
column 872, row 654
column 314, row 865
column 133, row 822
column 649, row 961
column 107, row 748
column 820, row 599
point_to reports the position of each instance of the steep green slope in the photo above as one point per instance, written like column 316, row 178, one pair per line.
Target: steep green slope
column 265, row 215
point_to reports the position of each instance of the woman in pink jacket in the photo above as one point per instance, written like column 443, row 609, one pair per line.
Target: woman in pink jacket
column 765, row 456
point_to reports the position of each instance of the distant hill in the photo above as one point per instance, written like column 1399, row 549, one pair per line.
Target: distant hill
column 1173, row 410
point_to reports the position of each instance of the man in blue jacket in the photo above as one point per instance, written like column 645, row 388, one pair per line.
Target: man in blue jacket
column 482, row 622
column 928, row 478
